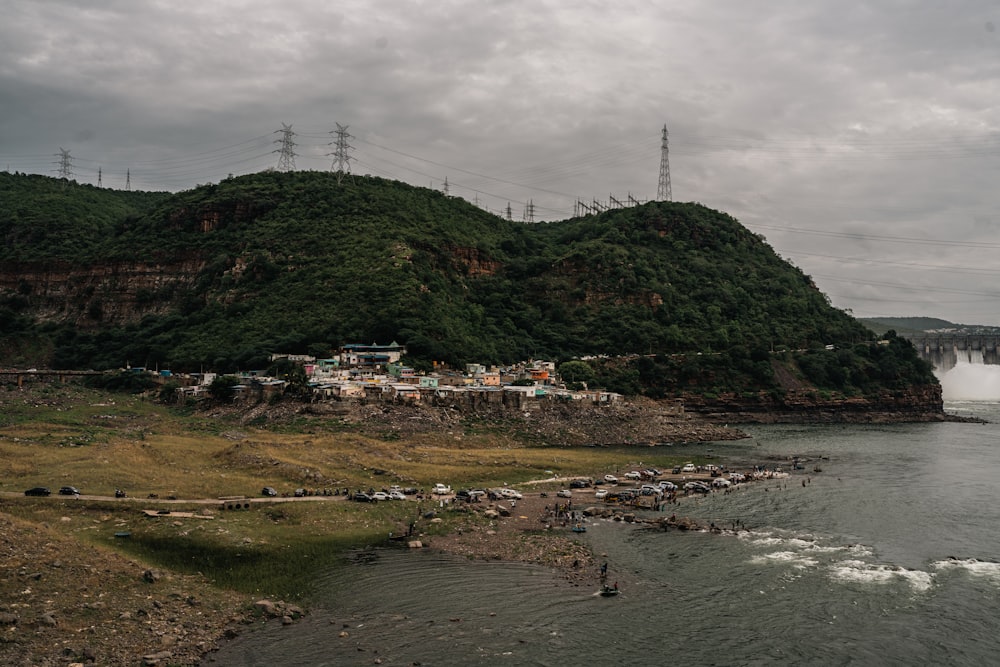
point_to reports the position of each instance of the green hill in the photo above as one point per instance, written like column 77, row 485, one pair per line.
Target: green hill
column 223, row 275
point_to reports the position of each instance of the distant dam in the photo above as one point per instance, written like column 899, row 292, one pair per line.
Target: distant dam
column 945, row 350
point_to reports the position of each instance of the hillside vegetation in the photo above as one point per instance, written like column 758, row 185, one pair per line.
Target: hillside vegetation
column 220, row 276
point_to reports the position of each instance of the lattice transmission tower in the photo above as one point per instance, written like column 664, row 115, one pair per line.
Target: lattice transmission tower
column 286, row 154
column 663, row 192
column 341, row 152
column 65, row 168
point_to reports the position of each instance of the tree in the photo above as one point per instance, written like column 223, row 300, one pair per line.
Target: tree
column 576, row 372
column 223, row 388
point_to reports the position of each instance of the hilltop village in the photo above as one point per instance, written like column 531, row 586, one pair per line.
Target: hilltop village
column 375, row 373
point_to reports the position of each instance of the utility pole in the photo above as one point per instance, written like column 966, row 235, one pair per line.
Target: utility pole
column 510, row 215
column 65, row 164
column 99, row 183
column 128, row 180
column 341, row 152
column 663, row 192
column 286, row 154
column 529, row 211
column 445, row 188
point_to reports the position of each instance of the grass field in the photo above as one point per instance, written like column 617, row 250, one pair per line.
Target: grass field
column 59, row 435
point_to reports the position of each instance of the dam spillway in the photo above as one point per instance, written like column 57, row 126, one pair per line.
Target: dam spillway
column 944, row 351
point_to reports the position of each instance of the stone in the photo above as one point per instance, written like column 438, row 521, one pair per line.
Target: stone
column 266, row 607
column 415, row 544
column 154, row 659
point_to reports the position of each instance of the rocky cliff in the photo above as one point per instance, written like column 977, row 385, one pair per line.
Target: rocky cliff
column 921, row 403
column 101, row 294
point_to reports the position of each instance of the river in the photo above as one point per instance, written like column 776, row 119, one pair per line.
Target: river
column 887, row 556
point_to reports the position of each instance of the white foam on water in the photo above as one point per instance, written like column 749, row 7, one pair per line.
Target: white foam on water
column 975, row 381
column 976, row 568
column 863, row 572
column 796, row 560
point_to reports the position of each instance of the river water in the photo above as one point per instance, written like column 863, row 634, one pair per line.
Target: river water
column 887, row 556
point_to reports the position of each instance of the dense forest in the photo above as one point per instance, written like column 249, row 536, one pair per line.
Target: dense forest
column 295, row 262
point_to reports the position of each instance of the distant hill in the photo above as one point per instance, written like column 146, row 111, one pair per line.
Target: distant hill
column 904, row 325
column 223, row 275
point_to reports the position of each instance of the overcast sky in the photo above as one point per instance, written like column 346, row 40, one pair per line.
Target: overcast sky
column 861, row 139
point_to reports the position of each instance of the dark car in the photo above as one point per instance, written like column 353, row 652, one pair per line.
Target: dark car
column 37, row 491
column 268, row 491
column 69, row 491
column 362, row 497
column 579, row 484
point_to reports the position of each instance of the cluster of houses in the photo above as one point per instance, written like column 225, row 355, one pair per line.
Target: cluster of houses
column 375, row 372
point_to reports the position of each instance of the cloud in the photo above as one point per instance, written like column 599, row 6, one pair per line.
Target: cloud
column 861, row 140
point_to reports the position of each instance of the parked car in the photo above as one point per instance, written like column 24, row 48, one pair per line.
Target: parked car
column 667, row 486
column 689, row 467
column 579, row 484
column 361, row 497
column 564, row 493
column 268, row 491
column 477, row 493
column 633, row 474
column 512, row 494
column 397, row 495
column 37, row 491
column 441, row 489
column 610, row 479
column 697, row 487
column 69, row 491
column 299, row 493
column 676, row 470
column 601, row 493
column 380, row 495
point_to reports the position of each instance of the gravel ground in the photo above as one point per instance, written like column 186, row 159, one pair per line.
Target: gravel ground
column 63, row 604
column 529, row 535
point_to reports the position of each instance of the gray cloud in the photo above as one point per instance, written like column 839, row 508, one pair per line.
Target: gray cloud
column 861, row 139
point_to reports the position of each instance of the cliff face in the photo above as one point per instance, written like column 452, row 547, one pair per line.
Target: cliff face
column 109, row 293
column 915, row 404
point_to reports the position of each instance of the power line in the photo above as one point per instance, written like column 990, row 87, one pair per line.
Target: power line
column 879, row 237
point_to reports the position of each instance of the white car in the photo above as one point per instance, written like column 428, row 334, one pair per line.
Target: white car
column 380, row 495
column 511, row 493
column 633, row 474
column 564, row 493
column 689, row 467
column 610, row 479
column 441, row 490
column 397, row 495
column 601, row 493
